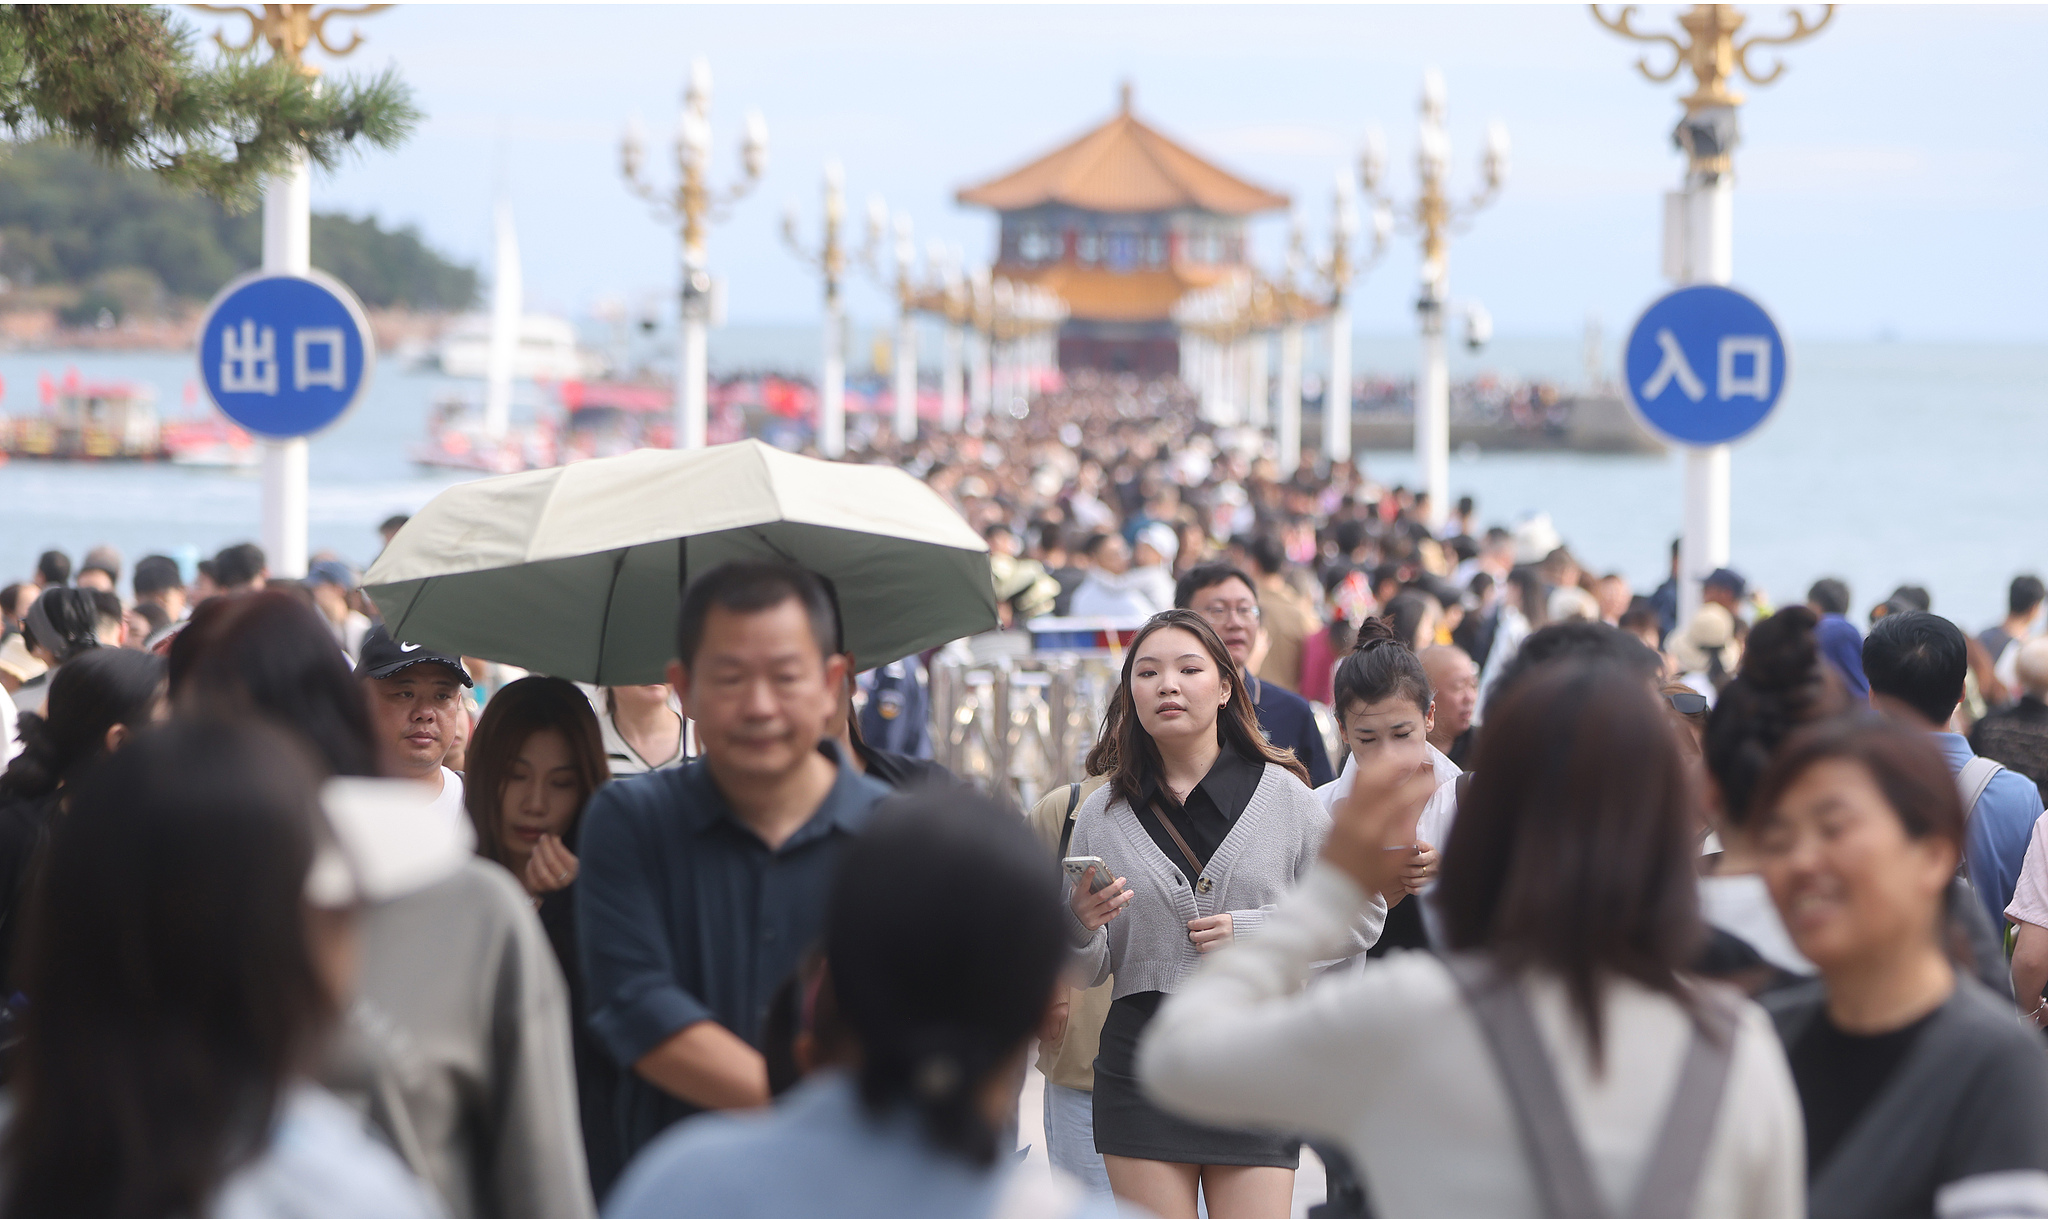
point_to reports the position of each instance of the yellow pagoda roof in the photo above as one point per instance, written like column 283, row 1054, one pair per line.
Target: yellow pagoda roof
column 1098, row 294
column 1124, row 166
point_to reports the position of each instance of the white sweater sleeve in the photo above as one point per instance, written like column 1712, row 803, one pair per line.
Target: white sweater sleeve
column 1239, row 1045
column 1761, row 1109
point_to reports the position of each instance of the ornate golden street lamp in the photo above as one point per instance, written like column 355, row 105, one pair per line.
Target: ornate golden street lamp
column 291, row 28
column 828, row 259
column 288, row 249
column 898, row 276
column 695, row 204
column 1434, row 216
column 1331, row 276
column 1699, row 220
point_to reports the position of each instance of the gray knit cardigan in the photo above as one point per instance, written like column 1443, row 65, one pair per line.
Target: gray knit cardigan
column 1268, row 849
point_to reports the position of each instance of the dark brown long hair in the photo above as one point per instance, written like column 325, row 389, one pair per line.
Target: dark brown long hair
column 1782, row 686
column 1574, row 846
column 270, row 655
column 176, row 993
column 1237, row 726
column 514, row 714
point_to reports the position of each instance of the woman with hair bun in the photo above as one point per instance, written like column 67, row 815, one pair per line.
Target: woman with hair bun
column 1386, row 708
column 96, row 701
column 60, row 624
column 1783, row 686
column 945, row 947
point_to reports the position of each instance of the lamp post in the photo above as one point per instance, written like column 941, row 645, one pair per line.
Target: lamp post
column 1699, row 223
column 828, row 258
column 1333, row 275
column 288, row 250
column 899, row 277
column 1020, row 324
column 695, row 205
column 953, row 302
column 1434, row 217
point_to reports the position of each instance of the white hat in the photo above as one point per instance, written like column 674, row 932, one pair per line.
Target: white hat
column 1712, row 628
column 1160, row 537
column 1569, row 602
column 1535, row 537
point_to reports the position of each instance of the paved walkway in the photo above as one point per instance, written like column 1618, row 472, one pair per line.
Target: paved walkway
column 1308, row 1181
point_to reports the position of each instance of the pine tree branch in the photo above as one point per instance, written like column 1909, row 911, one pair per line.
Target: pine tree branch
column 123, row 82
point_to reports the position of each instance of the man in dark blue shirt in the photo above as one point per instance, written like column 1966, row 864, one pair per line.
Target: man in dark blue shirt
column 1226, row 596
column 700, row 888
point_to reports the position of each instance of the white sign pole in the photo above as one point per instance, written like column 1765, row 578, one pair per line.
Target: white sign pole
column 1337, row 392
column 1708, row 212
column 287, row 250
column 1433, row 416
column 1287, row 430
column 906, row 377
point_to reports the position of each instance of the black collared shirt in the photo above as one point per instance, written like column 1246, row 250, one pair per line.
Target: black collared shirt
column 1211, row 809
column 1289, row 722
column 684, row 914
column 900, row 770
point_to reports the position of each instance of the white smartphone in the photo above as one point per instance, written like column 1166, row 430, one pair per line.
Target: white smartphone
column 1077, row 865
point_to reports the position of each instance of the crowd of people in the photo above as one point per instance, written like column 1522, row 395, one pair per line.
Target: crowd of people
column 1508, row 890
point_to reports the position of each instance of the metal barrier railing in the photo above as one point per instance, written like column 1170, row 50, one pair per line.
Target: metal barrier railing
column 1019, row 725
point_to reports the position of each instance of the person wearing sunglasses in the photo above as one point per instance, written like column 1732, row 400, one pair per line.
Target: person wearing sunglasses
column 1690, row 706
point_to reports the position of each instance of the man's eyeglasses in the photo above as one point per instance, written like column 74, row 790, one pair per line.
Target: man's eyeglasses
column 1222, row 614
column 1687, row 702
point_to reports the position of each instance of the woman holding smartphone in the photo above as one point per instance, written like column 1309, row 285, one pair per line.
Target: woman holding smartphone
column 1203, row 825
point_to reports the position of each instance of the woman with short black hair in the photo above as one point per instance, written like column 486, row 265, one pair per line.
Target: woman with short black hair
column 1922, row 1094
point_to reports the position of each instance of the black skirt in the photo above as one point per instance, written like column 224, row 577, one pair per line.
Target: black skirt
column 1128, row 1124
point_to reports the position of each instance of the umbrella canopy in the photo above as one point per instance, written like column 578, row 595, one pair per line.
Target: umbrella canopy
column 578, row 571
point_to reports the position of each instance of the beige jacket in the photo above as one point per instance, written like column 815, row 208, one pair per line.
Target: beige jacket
column 1289, row 621
column 457, row 1045
column 1070, row 1061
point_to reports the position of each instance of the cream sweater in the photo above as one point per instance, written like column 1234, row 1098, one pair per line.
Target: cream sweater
column 1272, row 843
column 1388, row 1062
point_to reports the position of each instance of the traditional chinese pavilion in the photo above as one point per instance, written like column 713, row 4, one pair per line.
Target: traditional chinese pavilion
column 1121, row 223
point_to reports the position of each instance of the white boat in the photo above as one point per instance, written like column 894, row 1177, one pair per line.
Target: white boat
column 461, row 437
column 547, row 349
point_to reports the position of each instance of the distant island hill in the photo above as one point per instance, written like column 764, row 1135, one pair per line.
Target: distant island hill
column 94, row 255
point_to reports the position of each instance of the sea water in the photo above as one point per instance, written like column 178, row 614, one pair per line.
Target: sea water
column 1886, row 463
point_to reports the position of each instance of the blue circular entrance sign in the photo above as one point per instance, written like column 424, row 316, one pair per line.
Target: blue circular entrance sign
column 1704, row 365
column 285, row 355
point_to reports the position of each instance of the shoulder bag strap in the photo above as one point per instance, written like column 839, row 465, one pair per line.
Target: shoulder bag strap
column 1671, row 1176
column 1564, row 1180
column 1973, row 778
column 1067, row 829
column 1185, row 850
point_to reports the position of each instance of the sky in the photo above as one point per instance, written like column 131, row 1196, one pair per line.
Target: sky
column 1891, row 184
